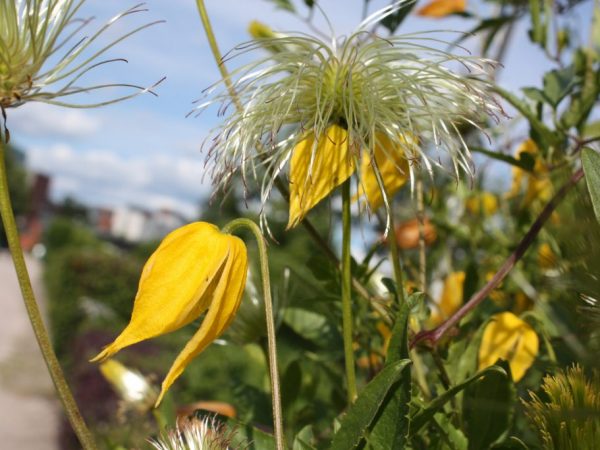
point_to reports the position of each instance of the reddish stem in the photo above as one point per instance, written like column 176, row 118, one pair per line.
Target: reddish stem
column 434, row 336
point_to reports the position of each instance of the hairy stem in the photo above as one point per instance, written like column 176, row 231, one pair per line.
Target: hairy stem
column 347, row 319
column 35, row 317
column 271, row 340
column 433, row 336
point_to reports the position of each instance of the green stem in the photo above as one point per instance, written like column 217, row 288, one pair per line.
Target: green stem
column 58, row 377
column 347, row 319
column 395, row 254
column 272, row 344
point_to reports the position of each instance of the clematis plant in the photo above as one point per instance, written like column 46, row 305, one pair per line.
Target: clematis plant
column 323, row 106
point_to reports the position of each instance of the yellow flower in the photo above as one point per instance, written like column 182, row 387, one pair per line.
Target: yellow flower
column 318, row 166
column 537, row 183
column 195, row 268
column 442, row 8
column 451, row 299
column 132, row 387
column 546, row 257
column 393, row 168
column 510, row 338
column 484, row 203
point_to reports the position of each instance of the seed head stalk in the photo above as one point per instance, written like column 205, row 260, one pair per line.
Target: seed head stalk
column 58, row 378
column 269, row 316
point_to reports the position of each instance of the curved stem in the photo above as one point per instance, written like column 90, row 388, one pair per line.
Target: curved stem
column 272, row 344
column 56, row 373
column 433, row 336
column 347, row 320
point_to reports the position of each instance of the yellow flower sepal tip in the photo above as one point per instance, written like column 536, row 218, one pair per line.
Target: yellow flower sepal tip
column 319, row 164
column 510, row 338
column 194, row 269
column 392, row 164
column 442, row 8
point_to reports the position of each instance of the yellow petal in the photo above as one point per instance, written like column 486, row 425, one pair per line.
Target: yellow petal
column 174, row 283
column 318, row 166
column 510, row 338
column 442, row 8
column 451, row 299
column 225, row 302
column 393, row 167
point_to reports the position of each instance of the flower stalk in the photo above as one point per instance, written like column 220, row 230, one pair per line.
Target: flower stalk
column 269, row 317
column 56, row 373
column 347, row 319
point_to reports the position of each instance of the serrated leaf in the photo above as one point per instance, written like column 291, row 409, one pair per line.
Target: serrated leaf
column 360, row 415
column 591, row 169
column 488, row 408
column 391, row 425
column 420, row 418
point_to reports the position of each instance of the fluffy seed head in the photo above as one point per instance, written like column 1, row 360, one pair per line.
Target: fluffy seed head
column 395, row 86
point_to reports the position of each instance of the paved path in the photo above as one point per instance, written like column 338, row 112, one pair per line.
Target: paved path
column 28, row 405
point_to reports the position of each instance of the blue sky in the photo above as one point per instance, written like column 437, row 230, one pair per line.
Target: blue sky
column 144, row 151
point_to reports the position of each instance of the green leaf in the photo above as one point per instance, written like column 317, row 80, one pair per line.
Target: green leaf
column 488, row 408
column 303, row 440
column 391, row 424
column 546, row 136
column 525, row 161
column 591, row 129
column 283, row 4
column 421, row 417
column 591, row 169
column 537, row 33
column 367, row 405
column 494, row 25
column 558, row 84
column 393, row 21
column 250, row 438
column 535, row 94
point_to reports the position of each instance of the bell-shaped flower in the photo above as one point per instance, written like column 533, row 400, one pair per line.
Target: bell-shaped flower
column 451, row 298
column 196, row 268
column 512, row 339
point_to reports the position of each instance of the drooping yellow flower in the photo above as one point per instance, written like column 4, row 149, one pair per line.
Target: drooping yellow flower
column 451, row 299
column 196, row 268
column 537, row 183
column 393, row 168
column 546, row 257
column 442, row 8
column 510, row 338
column 319, row 164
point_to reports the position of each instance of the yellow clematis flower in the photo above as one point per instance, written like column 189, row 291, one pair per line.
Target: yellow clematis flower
column 537, row 184
column 196, row 268
column 442, row 8
column 318, row 166
column 451, row 299
column 510, row 338
column 392, row 165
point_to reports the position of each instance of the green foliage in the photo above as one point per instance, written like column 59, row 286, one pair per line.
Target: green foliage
column 367, row 406
column 591, row 168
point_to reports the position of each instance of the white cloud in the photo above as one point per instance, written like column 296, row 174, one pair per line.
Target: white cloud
column 100, row 177
column 40, row 119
